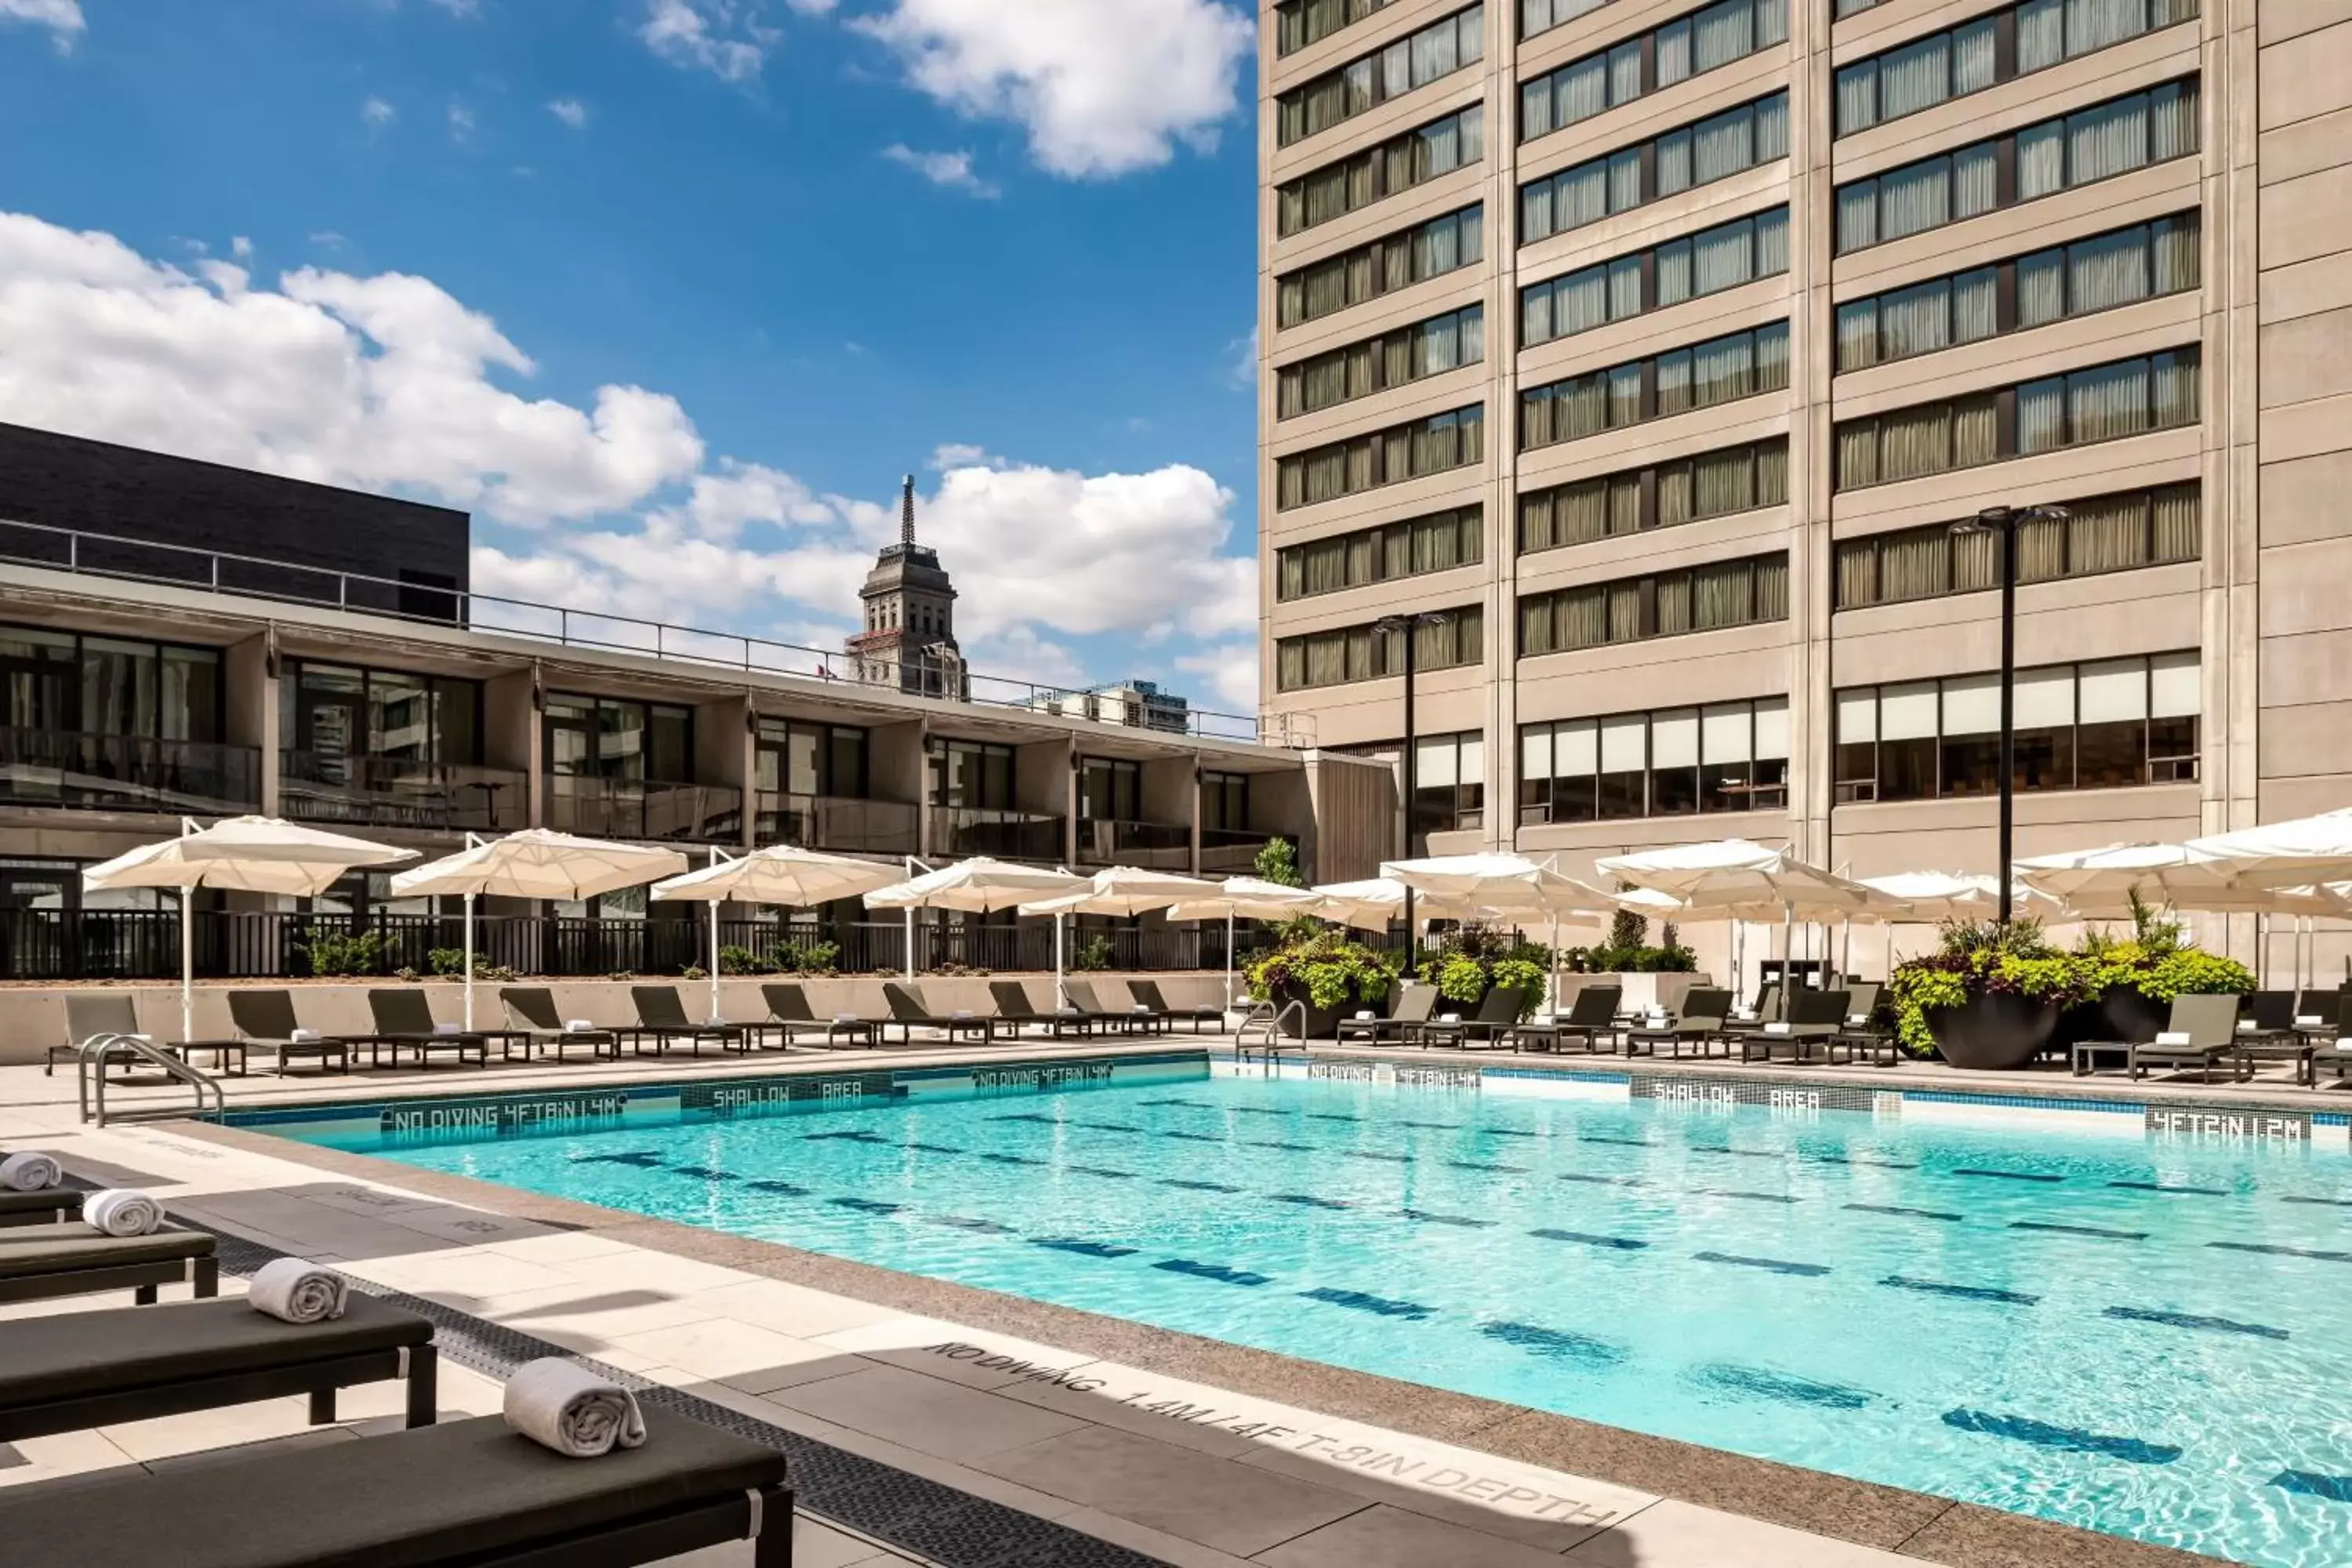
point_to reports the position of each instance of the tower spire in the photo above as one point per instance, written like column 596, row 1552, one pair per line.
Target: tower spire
column 907, row 511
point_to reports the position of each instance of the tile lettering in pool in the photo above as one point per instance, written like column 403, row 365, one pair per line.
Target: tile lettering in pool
column 1585, row 1238
column 1487, row 1165
column 1089, row 1249
column 966, row 1222
column 1425, row 1217
column 2008, row 1175
column 1779, row 1385
column 704, row 1173
column 644, row 1159
column 1772, row 1265
column 782, row 1189
column 2335, row 1489
column 1898, row 1208
column 2167, row 1187
column 1964, row 1293
column 1603, row 1138
column 1307, row 1200
column 1359, row 1302
column 1220, row 1272
column 2191, row 1320
column 2102, row 1234
column 1192, row 1187
column 2277, row 1251
column 865, row 1205
column 1103, row 1170
column 2074, row 1439
column 1553, row 1342
column 1603, row 1181
column 1754, row 1197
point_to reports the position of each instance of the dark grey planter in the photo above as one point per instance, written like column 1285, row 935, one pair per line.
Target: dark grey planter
column 1992, row 1033
column 1322, row 1022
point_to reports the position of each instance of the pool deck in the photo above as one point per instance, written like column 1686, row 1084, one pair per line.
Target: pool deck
column 1179, row 1449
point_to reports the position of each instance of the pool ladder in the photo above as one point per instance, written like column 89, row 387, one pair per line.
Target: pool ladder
column 1261, row 1033
column 90, row 1064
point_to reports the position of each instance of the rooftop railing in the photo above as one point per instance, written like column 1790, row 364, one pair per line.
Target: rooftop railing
column 442, row 603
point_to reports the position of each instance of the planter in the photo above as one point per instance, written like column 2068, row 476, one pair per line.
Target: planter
column 1992, row 1033
column 1322, row 1022
column 2119, row 1013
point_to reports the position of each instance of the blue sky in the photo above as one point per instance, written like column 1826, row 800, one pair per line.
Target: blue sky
column 669, row 292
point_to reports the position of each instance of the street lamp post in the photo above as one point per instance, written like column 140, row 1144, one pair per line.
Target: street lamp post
column 2003, row 522
column 1403, row 626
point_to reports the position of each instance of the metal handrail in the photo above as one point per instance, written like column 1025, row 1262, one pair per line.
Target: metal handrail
column 100, row 1048
column 1267, row 1016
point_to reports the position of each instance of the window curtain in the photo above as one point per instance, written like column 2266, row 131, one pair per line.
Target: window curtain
column 1675, row 500
column 2041, row 34
column 1915, row 565
column 1976, row 561
column 1626, row 180
column 1857, row 216
column 2173, row 388
column 1579, row 303
column 1723, row 595
column 1581, row 408
column 1626, row 72
column 2174, row 242
column 1771, row 358
column 1725, row 256
column 1724, row 145
column 1772, row 23
column 2177, row 530
column 1673, row 594
column 1857, row 334
column 1723, row 370
column 2106, row 271
column 1857, row 454
column 1535, row 523
column 1916, row 76
column 1772, row 242
column 2040, row 160
column 1915, row 197
column 2041, row 549
column 2041, row 417
column 1291, row 664
column 1915, row 441
column 1976, row 185
column 1624, row 504
column 1773, row 474
column 1536, row 315
column 1724, row 482
column 2108, row 401
column 1537, row 408
column 1326, row 659
column 1772, row 588
column 1326, row 566
column 1972, row 56
column 1536, row 219
column 1772, row 128
column 2096, row 24
column 1674, row 261
column 1582, row 618
column 1535, row 625
column 1857, row 97
column 1624, row 395
column 1535, row 109
column 1976, row 431
column 2041, row 288
column 1674, row 162
column 1582, row 195
column 2172, row 120
column 2107, row 535
column 1674, row 383
column 1974, row 308
column 2106, row 140
column 1915, row 320
column 1726, row 32
column 1624, row 611
column 1624, row 287
column 1674, row 52
column 1583, row 512
column 1580, row 91
column 1857, row 574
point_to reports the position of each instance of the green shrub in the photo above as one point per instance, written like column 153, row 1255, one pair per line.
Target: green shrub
column 734, row 960
column 451, row 961
column 1277, row 862
column 1333, row 972
column 1093, row 953
column 332, row 954
column 797, row 957
column 1976, row 960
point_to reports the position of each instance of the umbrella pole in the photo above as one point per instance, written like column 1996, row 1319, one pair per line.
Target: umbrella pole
column 1553, row 1000
column 1061, row 997
column 469, row 961
column 187, row 965
column 1229, row 961
column 714, row 960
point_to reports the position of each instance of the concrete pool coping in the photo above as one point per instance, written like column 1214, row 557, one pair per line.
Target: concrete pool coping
column 1886, row 1519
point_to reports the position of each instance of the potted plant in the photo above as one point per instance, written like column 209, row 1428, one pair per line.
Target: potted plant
column 1331, row 977
column 1989, row 998
column 1479, row 958
column 2129, row 985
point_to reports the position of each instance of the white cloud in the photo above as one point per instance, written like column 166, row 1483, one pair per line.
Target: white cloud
column 953, row 170
column 461, row 122
column 376, row 111
column 63, row 18
column 1102, row 87
column 1231, row 670
column 720, row 36
column 460, row 7
column 570, row 110
column 719, row 505
column 958, row 455
column 241, row 247
column 1240, row 362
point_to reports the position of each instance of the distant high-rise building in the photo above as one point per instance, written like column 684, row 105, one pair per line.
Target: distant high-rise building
column 909, row 642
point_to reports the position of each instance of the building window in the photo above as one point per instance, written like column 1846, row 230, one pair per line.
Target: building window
column 1681, row 761
column 1361, row 85
column 2110, row 533
column 2078, row 149
column 1360, row 653
column 1393, row 359
column 1299, row 22
column 1987, row 50
column 1225, row 802
column 335, row 714
column 1390, row 456
column 2104, row 402
column 1396, row 262
column 793, row 756
column 1707, row 262
column 1657, row 604
column 1396, row 165
column 971, row 773
column 1542, row 15
column 1721, row 370
column 2111, row 724
column 2121, row 267
column 1438, row 542
column 608, row 738
column 1110, row 789
column 1712, row 148
column 1449, row 783
column 64, row 683
column 1686, row 490
column 1685, row 48
column 1840, row 9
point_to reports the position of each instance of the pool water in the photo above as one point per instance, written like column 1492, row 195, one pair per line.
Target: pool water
column 2146, row 1339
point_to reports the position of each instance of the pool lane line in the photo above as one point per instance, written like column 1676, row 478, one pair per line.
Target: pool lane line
column 2168, row 1190
column 1727, row 1148
column 1466, row 1222
column 1306, row 1200
column 2329, row 1203
column 1765, row 1384
column 1360, row 1302
column 2274, row 1250
column 1769, row 1265
column 2006, row 1175
column 1602, row 1181
column 1486, row 1165
column 1900, row 1209
column 2194, row 1321
column 1220, row 1272
column 1963, row 1292
column 1852, row 1159
column 2071, row 1439
column 2062, row 1229
column 1556, row 1344
column 1752, row 1197
column 1586, row 1239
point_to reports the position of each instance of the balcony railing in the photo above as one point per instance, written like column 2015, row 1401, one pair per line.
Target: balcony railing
column 652, row 812
column 837, row 823
column 126, row 773
column 400, row 792
column 958, row 831
column 1153, row 845
column 1232, row 851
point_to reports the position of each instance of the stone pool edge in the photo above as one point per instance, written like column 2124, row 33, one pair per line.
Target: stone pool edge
column 1915, row 1524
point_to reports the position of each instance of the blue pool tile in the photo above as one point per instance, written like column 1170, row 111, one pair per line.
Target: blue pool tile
column 1900, row 1209
column 2335, row 1489
column 1779, row 1385
column 966, row 1222
column 705, row 1172
column 1220, row 1272
column 1106, row 1171
column 1192, row 1187
column 644, row 1159
column 1466, row 1221
column 1603, row 1181
column 1585, row 1238
column 2169, row 1187
column 1553, row 1342
column 1307, row 1200
column 1356, row 1300
column 1964, row 1293
column 2074, row 1439
column 2193, row 1321
column 865, row 1205
column 2099, row 1231
column 782, row 1189
column 1752, row 1197
column 2276, row 1251
column 1487, row 1165
column 1774, row 1265
column 2008, row 1175
column 1088, row 1249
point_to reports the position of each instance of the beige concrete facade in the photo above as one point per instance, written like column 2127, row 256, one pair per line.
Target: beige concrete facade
column 2266, row 608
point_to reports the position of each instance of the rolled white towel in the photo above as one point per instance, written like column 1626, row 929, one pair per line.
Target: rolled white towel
column 448, row 1028
column 122, row 1211
column 577, row 1025
column 31, row 1172
column 296, row 1291
column 2172, row 1038
column 565, row 1406
column 304, row 1036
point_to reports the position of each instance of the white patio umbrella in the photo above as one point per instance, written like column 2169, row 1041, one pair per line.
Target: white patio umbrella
column 980, row 886
column 2107, row 878
column 1738, row 880
column 780, row 874
column 535, row 863
column 1507, row 886
column 242, row 854
column 1927, row 896
column 1247, row 898
column 2297, row 854
column 1125, row 891
column 1369, row 904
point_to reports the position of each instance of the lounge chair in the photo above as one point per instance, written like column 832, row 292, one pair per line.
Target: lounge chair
column 1131, row 1021
column 789, row 1013
column 1415, row 1004
column 266, row 1018
column 1014, row 1008
column 1498, row 1015
column 88, row 1015
column 462, row 1494
column 1815, row 1018
column 532, row 1009
column 910, row 1012
column 1591, row 1014
column 49, row 1205
column 36, row 1266
column 1862, row 1030
column 2207, row 1027
column 1699, row 1024
column 404, row 1018
column 1147, row 993
column 661, row 1017
column 71, row 1372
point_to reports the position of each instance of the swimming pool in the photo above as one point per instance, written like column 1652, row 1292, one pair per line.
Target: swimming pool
column 2061, row 1316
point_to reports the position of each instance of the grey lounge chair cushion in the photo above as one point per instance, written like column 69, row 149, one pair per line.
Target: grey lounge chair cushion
column 46, row 1201
column 35, row 1236
column 452, row 1493
column 27, row 1258
column 74, row 1355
